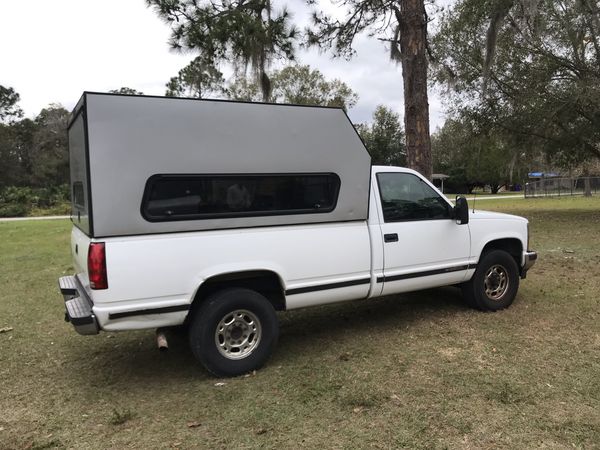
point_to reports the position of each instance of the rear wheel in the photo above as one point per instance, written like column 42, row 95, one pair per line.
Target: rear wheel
column 495, row 283
column 234, row 332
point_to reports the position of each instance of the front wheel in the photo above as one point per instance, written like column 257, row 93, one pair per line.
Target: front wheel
column 495, row 283
column 234, row 332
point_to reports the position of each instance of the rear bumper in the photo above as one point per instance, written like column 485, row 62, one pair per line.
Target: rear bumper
column 78, row 306
column 529, row 259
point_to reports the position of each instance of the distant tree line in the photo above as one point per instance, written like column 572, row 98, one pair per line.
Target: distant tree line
column 522, row 84
column 34, row 157
column 33, row 152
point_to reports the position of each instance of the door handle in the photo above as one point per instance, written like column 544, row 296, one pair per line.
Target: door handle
column 391, row 237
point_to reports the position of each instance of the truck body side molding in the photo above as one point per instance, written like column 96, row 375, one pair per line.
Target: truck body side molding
column 425, row 273
column 144, row 312
column 323, row 287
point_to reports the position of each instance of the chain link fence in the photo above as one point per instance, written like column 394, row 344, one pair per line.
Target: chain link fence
column 557, row 187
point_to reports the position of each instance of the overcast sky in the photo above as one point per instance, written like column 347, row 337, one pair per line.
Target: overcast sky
column 53, row 50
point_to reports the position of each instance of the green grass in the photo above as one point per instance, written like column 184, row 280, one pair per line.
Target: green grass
column 412, row 371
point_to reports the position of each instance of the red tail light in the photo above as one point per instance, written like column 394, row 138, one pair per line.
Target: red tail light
column 97, row 266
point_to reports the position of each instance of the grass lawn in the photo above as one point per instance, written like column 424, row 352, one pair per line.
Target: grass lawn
column 412, row 371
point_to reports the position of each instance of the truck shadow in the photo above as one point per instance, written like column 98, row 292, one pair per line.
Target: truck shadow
column 122, row 359
column 364, row 316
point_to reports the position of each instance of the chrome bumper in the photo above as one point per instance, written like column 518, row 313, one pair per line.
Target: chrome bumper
column 529, row 260
column 78, row 306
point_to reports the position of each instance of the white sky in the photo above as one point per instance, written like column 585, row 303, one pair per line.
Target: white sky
column 53, row 50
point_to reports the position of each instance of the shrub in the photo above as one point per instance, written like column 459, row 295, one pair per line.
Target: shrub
column 12, row 210
column 17, row 201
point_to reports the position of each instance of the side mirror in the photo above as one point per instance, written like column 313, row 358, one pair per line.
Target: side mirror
column 461, row 211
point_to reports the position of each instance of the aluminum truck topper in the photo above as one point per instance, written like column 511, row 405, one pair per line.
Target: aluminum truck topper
column 124, row 141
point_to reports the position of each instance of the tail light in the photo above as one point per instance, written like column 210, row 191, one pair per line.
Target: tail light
column 97, row 266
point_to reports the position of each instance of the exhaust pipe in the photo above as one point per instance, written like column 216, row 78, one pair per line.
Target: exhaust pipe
column 161, row 340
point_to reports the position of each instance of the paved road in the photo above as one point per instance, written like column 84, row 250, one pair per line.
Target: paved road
column 472, row 199
column 16, row 219
column 495, row 197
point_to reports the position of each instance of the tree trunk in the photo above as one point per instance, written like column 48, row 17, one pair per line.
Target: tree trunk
column 413, row 40
column 511, row 168
column 587, row 186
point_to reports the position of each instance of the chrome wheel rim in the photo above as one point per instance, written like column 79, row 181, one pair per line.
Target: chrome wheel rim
column 238, row 334
column 496, row 282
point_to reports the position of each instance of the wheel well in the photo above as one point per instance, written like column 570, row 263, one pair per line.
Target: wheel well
column 512, row 246
column 264, row 282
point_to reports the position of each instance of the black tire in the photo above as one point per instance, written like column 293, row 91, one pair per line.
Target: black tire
column 219, row 351
column 493, row 267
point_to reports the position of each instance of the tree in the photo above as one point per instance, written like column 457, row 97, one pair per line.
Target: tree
column 247, row 33
column 9, row 109
column 126, row 91
column 35, row 152
column 16, row 156
column 198, row 79
column 50, row 151
column 9, row 112
column 403, row 24
column 472, row 156
column 243, row 89
column 384, row 138
column 528, row 70
column 300, row 85
column 9, row 163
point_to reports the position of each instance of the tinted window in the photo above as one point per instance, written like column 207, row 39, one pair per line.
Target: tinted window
column 405, row 196
column 78, row 196
column 179, row 197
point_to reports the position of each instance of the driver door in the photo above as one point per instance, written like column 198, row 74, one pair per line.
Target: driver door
column 424, row 247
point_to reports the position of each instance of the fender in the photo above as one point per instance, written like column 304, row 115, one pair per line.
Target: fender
column 233, row 268
column 477, row 247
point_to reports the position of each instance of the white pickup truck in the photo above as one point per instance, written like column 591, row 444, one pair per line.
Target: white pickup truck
column 220, row 241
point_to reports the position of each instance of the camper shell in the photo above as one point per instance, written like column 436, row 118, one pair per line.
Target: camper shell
column 145, row 165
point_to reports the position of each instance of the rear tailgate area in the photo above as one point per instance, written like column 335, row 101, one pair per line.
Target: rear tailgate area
column 76, row 290
column 80, row 244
